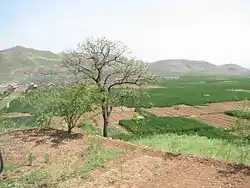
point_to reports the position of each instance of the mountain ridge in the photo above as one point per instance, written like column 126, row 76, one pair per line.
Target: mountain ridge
column 185, row 66
column 19, row 60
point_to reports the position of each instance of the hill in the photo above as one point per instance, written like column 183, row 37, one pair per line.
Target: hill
column 21, row 63
column 182, row 66
column 18, row 62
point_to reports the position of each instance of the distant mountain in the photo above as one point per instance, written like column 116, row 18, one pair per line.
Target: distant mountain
column 182, row 66
column 19, row 63
column 234, row 69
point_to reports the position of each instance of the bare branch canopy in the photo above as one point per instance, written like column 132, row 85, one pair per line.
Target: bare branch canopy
column 106, row 62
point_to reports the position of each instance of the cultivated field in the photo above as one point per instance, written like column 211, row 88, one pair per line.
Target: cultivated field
column 192, row 132
column 213, row 113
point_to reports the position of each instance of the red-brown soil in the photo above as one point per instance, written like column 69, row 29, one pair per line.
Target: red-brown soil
column 118, row 113
column 140, row 167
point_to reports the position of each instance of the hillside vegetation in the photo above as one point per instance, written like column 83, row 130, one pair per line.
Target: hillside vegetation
column 17, row 62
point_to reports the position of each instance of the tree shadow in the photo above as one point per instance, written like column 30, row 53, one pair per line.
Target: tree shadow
column 40, row 136
column 235, row 169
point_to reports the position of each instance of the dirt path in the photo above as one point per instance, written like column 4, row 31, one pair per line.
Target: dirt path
column 13, row 115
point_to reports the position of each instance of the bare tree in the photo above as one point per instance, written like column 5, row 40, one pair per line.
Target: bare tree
column 107, row 64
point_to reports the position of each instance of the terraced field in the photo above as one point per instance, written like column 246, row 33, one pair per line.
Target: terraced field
column 213, row 113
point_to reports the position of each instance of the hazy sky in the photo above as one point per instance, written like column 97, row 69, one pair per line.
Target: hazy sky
column 217, row 31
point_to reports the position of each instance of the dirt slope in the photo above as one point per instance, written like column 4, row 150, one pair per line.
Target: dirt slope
column 139, row 167
column 146, row 168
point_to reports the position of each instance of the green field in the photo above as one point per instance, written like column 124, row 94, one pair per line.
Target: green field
column 186, row 90
column 195, row 92
column 178, row 125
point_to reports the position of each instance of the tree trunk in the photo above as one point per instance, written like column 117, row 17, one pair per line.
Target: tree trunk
column 1, row 162
column 70, row 129
column 105, row 120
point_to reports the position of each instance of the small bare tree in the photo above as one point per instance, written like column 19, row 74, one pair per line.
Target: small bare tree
column 107, row 65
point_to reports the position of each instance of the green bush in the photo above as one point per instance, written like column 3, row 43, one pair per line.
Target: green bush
column 238, row 114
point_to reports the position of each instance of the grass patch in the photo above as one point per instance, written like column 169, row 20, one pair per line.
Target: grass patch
column 89, row 128
column 31, row 179
column 8, row 167
column 17, row 123
column 197, row 145
column 238, row 114
column 9, row 98
column 93, row 130
column 96, row 157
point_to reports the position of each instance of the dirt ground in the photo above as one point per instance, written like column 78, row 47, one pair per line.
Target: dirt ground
column 139, row 167
column 118, row 113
